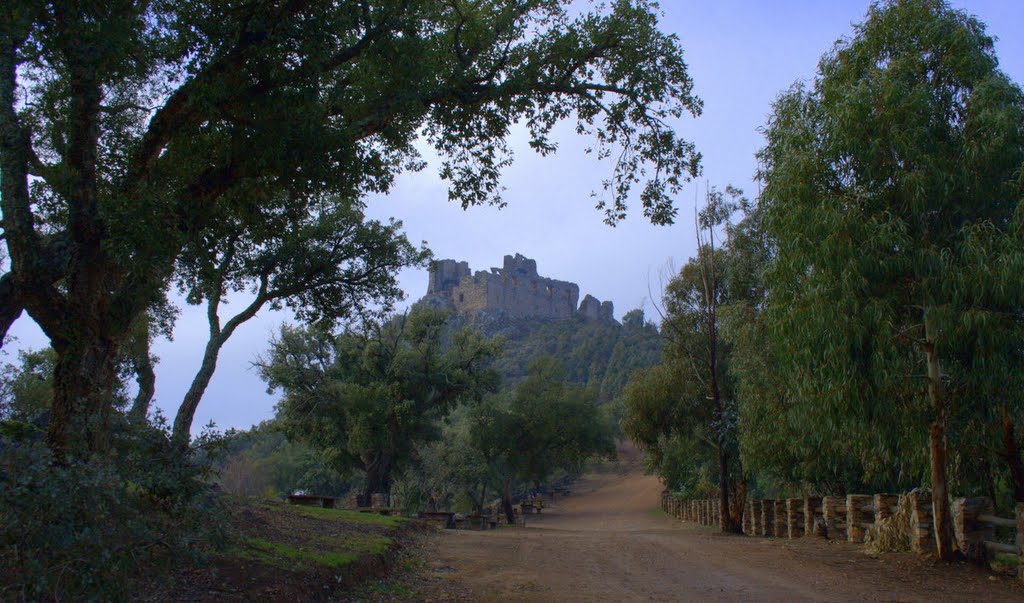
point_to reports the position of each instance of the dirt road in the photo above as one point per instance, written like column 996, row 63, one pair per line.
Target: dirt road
column 609, row 542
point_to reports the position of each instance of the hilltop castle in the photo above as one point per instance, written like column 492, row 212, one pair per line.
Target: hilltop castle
column 515, row 289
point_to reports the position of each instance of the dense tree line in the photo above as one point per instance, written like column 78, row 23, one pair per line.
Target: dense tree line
column 874, row 341
column 600, row 355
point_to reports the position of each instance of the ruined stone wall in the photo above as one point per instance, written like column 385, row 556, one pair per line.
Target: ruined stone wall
column 445, row 275
column 515, row 288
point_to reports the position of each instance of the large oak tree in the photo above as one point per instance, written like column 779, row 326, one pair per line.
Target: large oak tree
column 127, row 126
column 368, row 398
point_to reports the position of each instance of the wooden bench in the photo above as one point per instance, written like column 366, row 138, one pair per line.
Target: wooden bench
column 311, row 500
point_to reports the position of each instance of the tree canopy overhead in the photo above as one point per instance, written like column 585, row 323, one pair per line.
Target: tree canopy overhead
column 128, row 130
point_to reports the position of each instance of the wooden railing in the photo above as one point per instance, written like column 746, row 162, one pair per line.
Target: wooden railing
column 849, row 518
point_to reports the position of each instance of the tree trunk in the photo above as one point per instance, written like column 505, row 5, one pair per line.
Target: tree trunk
column 483, row 499
column 725, row 522
column 945, row 542
column 506, row 502
column 83, row 383
column 218, row 337
column 378, row 475
column 1011, row 453
column 739, row 502
column 10, row 305
column 189, row 404
column 145, row 377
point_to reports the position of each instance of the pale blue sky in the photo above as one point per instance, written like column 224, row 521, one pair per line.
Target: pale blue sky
column 741, row 55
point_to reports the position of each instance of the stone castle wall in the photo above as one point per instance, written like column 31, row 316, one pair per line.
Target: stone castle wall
column 516, row 288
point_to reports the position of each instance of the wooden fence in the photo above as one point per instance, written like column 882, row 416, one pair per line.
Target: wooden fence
column 850, row 517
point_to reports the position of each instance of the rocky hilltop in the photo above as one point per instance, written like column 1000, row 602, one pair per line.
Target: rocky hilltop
column 515, row 289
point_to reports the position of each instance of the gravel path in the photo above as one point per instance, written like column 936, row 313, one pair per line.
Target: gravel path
column 609, row 542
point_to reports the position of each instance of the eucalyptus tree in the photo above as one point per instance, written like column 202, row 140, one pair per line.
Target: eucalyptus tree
column 693, row 385
column 694, row 378
column 369, row 397
column 887, row 180
column 325, row 266
column 126, row 127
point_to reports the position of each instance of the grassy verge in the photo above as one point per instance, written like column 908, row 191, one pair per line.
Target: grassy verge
column 286, row 552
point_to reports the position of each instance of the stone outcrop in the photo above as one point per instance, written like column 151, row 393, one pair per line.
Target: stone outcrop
column 515, row 289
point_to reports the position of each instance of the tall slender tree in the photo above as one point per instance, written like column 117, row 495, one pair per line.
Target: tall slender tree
column 325, row 267
column 689, row 401
column 881, row 177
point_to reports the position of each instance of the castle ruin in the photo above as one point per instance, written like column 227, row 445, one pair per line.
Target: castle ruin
column 515, row 289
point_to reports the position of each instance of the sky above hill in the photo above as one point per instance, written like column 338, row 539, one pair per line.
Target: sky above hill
column 741, row 54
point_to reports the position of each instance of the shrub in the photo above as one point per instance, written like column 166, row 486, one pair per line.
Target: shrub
column 90, row 529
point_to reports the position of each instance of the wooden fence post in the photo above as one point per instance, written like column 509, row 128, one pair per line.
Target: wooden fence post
column 746, row 519
column 781, row 519
column 812, row 511
column 857, row 517
column 795, row 517
column 767, row 517
column 970, row 533
column 833, row 509
column 922, row 538
column 884, row 504
column 1020, row 540
column 755, row 517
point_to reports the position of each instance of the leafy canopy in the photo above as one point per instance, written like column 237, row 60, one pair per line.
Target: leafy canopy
column 893, row 189
column 368, row 398
column 130, row 131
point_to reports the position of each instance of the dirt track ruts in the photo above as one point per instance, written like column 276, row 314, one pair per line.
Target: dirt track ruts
column 609, row 542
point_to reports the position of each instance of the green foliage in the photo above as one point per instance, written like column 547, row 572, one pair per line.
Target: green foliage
column 891, row 187
column 450, row 472
column 542, row 425
column 684, row 411
column 91, row 529
column 326, row 265
column 135, row 135
column 262, row 461
column 26, row 389
column 345, row 516
column 596, row 354
column 367, row 399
